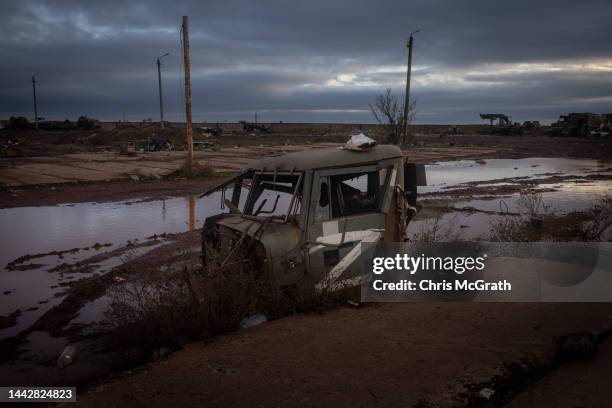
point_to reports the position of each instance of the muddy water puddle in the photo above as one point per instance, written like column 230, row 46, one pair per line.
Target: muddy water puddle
column 559, row 198
column 44, row 249
column 477, row 209
column 54, row 242
column 454, row 174
column 454, row 225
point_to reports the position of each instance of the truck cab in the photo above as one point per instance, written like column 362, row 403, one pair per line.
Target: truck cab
column 302, row 216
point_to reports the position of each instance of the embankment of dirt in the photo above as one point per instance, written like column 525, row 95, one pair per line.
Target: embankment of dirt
column 118, row 190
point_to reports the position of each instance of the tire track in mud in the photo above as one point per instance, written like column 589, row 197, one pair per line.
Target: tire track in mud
column 78, row 292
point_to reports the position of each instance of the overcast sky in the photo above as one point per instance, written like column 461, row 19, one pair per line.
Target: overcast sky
column 307, row 61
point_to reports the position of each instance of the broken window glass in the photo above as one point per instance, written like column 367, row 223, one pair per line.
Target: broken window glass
column 322, row 207
column 272, row 195
column 357, row 193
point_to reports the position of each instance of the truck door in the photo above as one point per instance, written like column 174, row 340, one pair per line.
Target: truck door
column 346, row 206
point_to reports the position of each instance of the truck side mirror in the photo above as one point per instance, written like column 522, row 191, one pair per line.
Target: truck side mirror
column 414, row 176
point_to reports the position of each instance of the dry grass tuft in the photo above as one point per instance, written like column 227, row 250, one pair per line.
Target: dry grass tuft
column 431, row 230
column 588, row 226
column 169, row 309
column 196, row 170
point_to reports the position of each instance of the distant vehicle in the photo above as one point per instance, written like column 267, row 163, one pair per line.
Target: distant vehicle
column 254, row 127
column 18, row 122
column 531, row 124
column 502, row 120
column 213, row 131
column 300, row 216
column 159, row 143
column 582, row 125
column 502, row 125
column 205, row 145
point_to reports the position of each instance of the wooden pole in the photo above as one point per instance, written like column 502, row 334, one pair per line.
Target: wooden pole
column 407, row 98
column 189, row 129
column 161, row 100
column 35, row 103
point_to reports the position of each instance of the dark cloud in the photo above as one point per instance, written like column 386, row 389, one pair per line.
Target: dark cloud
column 307, row 61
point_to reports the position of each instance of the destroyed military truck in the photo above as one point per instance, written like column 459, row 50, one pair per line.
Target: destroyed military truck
column 301, row 216
column 582, row 125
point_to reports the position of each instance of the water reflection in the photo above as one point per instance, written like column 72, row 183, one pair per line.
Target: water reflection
column 453, row 173
column 34, row 288
column 40, row 230
column 33, row 230
column 192, row 217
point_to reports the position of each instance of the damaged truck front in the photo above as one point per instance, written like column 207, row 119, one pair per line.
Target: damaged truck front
column 301, row 217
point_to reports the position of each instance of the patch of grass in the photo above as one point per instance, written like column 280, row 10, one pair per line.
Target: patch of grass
column 532, row 204
column 168, row 309
column 196, row 170
column 430, row 230
column 589, row 225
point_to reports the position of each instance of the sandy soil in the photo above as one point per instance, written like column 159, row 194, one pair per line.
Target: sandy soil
column 70, row 179
column 104, row 191
column 530, row 146
column 581, row 383
column 90, row 176
column 113, row 166
column 390, row 355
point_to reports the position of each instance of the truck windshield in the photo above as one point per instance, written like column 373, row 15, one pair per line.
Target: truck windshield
column 273, row 195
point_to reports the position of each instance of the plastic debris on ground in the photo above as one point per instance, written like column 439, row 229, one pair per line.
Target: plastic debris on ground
column 67, row 357
column 486, row 393
column 253, row 320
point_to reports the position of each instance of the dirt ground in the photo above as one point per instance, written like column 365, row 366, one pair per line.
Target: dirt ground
column 88, row 167
column 104, row 191
column 577, row 384
column 405, row 354
column 109, row 176
column 88, row 177
column 113, row 137
column 48, row 167
column 388, row 355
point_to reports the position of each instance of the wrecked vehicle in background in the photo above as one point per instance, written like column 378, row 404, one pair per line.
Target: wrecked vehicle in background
column 301, row 216
column 248, row 127
column 582, row 125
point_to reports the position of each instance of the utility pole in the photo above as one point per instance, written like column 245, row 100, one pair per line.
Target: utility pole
column 35, row 104
column 161, row 100
column 407, row 98
column 189, row 129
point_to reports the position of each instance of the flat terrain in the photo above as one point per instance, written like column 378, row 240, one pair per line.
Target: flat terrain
column 89, row 177
column 389, row 355
column 577, row 384
column 87, row 167
column 51, row 167
column 104, row 191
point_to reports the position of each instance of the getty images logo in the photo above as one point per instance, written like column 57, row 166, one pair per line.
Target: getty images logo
column 412, row 264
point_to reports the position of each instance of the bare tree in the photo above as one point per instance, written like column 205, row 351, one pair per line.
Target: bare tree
column 389, row 112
